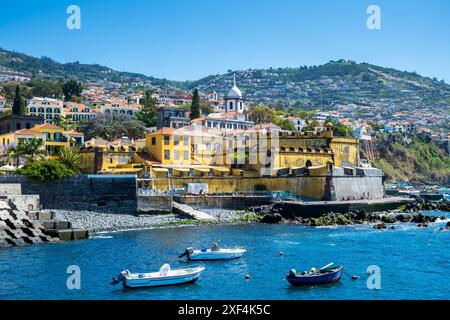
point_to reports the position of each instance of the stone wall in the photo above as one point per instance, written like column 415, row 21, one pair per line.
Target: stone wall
column 313, row 187
column 224, row 202
column 154, row 204
column 354, row 187
column 103, row 193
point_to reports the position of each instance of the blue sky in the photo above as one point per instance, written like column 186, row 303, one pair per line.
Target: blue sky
column 189, row 39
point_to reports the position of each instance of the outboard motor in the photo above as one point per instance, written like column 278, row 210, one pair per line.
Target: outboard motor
column 292, row 273
column 119, row 278
column 187, row 252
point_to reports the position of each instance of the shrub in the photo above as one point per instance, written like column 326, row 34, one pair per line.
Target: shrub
column 46, row 170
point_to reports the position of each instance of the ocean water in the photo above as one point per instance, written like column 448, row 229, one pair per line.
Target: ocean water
column 414, row 263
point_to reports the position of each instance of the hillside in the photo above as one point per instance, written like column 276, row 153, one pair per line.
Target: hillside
column 358, row 90
column 47, row 68
column 414, row 159
column 363, row 89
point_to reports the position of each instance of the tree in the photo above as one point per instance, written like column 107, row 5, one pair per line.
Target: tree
column 46, row 88
column 206, row 107
column 149, row 110
column 340, row 129
column 72, row 89
column 32, row 148
column 14, row 153
column 71, row 158
column 261, row 114
column 286, row 124
column 113, row 126
column 18, row 103
column 195, row 105
column 311, row 126
column 46, row 170
column 9, row 90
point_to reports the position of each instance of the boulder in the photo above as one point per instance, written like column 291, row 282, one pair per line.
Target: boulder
column 388, row 219
column 379, row 226
column 422, row 225
column 272, row 218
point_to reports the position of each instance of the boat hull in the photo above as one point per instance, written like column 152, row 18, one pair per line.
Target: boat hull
column 216, row 255
column 146, row 282
column 326, row 278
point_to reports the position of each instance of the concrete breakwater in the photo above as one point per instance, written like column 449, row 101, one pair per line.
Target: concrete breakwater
column 16, row 228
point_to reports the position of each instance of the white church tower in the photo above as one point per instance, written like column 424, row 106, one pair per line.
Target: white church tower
column 233, row 99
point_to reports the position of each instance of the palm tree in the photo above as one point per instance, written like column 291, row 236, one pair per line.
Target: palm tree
column 14, row 152
column 32, row 148
column 70, row 157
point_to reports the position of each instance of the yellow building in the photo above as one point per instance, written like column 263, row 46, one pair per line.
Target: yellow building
column 54, row 137
column 169, row 146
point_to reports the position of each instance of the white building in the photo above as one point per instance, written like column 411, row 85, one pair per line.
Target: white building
column 47, row 107
column 299, row 123
column 233, row 99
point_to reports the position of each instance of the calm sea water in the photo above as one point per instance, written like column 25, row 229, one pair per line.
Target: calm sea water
column 414, row 263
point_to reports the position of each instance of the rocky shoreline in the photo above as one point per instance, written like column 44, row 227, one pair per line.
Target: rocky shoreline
column 97, row 222
column 380, row 220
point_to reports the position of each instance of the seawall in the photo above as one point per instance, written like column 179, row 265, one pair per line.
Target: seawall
column 104, row 193
column 292, row 209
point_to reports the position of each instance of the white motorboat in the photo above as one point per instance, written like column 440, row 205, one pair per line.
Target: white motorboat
column 213, row 253
column 164, row 277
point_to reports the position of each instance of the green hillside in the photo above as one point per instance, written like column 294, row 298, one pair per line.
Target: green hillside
column 415, row 159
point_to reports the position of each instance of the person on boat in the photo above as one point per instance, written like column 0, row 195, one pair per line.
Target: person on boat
column 215, row 247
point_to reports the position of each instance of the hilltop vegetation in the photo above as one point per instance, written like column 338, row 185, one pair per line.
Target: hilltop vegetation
column 416, row 159
column 48, row 68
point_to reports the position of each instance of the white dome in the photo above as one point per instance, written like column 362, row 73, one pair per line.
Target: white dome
column 234, row 92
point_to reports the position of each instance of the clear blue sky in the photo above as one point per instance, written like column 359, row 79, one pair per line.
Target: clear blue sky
column 189, row 39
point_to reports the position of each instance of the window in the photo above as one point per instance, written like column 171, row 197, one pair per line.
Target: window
column 166, row 140
column 32, row 109
column 28, row 126
column 176, row 155
column 48, row 110
column 166, row 154
column 153, row 141
column 231, row 105
column 186, row 155
column 185, row 141
column 208, row 146
column 40, row 109
column 57, row 111
column 176, row 140
column 18, row 126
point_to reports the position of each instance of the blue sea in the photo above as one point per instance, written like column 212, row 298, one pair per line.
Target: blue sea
column 414, row 263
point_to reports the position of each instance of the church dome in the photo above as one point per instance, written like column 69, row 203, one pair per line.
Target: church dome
column 234, row 92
